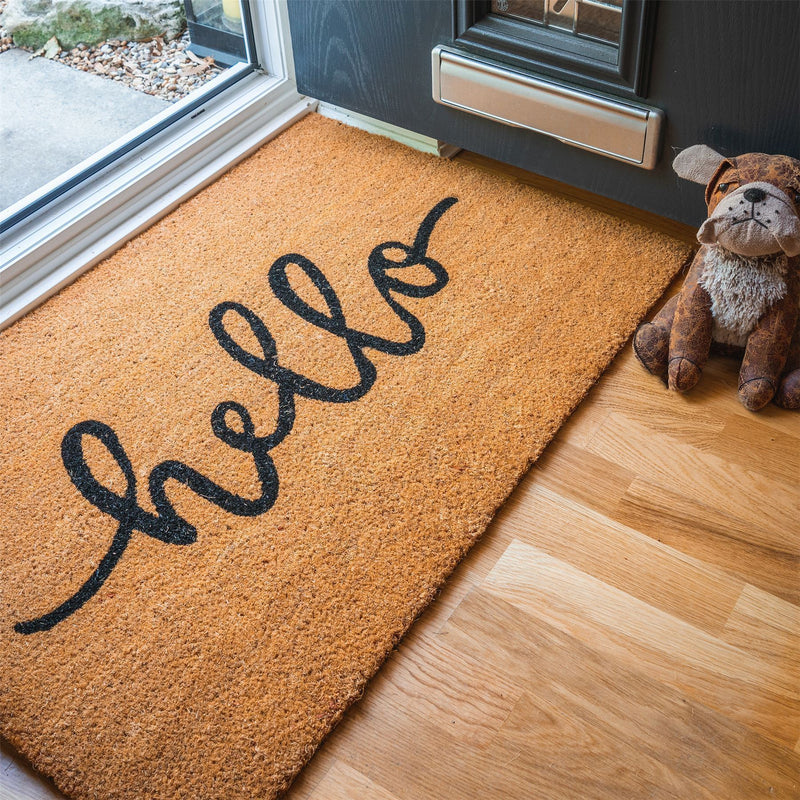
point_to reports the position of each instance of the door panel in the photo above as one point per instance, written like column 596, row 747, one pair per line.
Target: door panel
column 723, row 73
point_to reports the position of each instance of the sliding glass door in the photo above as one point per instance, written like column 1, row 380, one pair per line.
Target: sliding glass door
column 73, row 110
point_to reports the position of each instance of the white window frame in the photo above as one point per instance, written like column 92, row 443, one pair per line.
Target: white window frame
column 52, row 247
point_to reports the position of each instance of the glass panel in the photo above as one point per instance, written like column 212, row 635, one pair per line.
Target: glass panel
column 68, row 93
column 531, row 10
column 600, row 20
column 561, row 14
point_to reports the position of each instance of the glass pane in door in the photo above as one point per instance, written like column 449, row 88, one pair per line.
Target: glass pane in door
column 528, row 10
column 599, row 20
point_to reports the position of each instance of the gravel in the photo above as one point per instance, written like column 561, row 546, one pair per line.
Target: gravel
column 165, row 69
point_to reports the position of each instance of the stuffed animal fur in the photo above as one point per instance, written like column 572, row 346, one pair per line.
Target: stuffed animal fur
column 742, row 292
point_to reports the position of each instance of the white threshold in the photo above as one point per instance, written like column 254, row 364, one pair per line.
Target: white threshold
column 418, row 141
column 52, row 247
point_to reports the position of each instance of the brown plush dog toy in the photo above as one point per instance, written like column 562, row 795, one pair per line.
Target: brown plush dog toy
column 742, row 293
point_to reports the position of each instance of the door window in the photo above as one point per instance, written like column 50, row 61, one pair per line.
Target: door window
column 599, row 20
column 601, row 44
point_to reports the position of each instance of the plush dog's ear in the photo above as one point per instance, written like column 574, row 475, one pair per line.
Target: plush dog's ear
column 697, row 163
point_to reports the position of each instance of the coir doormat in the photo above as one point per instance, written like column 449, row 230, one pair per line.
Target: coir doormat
column 240, row 456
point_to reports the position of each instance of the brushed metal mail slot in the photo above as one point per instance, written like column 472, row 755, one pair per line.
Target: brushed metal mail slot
column 613, row 128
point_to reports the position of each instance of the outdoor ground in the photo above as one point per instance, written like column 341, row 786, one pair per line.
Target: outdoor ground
column 59, row 107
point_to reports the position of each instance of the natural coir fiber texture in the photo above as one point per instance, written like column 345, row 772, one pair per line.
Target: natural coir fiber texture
column 241, row 455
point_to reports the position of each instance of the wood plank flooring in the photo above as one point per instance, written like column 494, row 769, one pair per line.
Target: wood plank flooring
column 628, row 627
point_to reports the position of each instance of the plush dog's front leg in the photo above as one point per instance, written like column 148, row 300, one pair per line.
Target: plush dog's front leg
column 651, row 341
column 767, row 350
column 690, row 338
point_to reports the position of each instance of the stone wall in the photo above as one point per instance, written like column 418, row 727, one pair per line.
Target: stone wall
column 33, row 22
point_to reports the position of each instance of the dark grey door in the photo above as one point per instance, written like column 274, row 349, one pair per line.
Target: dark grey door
column 723, row 73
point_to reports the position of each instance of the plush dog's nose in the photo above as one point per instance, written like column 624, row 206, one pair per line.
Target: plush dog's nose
column 754, row 195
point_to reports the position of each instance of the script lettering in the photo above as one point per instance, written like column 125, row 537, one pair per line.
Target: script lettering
column 166, row 524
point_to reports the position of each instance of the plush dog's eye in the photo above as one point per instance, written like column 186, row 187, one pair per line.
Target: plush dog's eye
column 723, row 187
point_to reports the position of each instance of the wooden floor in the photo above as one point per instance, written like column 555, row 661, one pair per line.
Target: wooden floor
column 628, row 627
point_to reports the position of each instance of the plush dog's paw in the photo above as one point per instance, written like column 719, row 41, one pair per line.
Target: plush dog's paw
column 683, row 374
column 651, row 347
column 756, row 393
column 788, row 394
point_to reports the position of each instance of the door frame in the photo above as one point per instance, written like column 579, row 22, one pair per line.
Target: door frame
column 239, row 111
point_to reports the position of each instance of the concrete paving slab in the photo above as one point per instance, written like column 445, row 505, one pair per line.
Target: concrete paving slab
column 52, row 117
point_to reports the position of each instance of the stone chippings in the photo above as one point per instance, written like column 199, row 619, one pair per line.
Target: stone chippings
column 6, row 42
column 158, row 67
column 164, row 69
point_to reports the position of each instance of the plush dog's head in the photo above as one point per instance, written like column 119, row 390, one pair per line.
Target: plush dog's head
column 753, row 200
